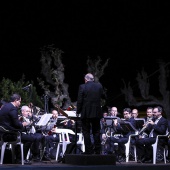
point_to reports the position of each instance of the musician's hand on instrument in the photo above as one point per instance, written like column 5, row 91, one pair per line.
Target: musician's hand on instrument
column 151, row 122
column 25, row 123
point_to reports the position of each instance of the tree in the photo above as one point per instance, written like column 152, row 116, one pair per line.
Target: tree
column 144, row 86
column 53, row 71
column 8, row 87
column 96, row 68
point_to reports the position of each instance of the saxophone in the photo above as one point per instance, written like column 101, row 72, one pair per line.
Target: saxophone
column 108, row 135
column 104, row 140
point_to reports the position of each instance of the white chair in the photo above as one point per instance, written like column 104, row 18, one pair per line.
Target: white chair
column 65, row 140
column 155, row 147
column 12, row 144
column 128, row 146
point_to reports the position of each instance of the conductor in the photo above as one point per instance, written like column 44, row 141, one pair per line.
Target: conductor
column 89, row 106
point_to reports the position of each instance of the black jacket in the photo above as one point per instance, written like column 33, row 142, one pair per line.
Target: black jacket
column 89, row 100
column 9, row 117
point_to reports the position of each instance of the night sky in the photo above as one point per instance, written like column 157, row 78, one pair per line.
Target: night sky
column 133, row 34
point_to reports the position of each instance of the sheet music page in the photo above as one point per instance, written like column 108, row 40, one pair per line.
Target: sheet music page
column 71, row 113
column 44, row 120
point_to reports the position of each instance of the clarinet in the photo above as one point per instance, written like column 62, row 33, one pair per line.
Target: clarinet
column 145, row 126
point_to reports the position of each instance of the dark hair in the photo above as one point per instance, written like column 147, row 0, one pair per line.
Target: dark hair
column 127, row 110
column 14, row 97
column 159, row 108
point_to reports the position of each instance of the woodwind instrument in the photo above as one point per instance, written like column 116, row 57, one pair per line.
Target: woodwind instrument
column 144, row 126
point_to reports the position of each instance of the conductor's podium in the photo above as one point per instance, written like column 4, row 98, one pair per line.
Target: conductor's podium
column 78, row 159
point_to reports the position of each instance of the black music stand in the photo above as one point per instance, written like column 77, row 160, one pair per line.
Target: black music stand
column 127, row 127
column 139, row 123
column 72, row 115
column 109, row 122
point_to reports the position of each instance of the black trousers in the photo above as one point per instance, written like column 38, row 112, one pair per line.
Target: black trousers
column 91, row 125
column 27, row 140
column 144, row 147
column 39, row 139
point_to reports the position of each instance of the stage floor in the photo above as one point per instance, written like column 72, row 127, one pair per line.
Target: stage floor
column 62, row 166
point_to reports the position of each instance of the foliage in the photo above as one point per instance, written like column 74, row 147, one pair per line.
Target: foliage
column 8, row 87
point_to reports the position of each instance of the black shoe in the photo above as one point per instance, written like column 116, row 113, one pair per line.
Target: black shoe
column 46, row 158
column 146, row 160
column 140, row 159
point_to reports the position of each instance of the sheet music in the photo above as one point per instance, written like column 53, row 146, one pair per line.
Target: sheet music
column 44, row 119
column 71, row 113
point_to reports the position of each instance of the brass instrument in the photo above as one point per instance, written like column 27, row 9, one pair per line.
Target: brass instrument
column 104, row 140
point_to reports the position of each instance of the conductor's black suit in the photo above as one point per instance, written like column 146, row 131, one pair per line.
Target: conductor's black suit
column 89, row 106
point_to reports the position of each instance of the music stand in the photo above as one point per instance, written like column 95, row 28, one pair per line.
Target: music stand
column 110, row 127
column 139, row 123
column 127, row 127
column 44, row 120
column 71, row 115
column 109, row 121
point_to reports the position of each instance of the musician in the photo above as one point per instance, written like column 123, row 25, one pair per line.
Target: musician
column 108, row 129
column 149, row 114
column 158, row 126
column 69, row 124
column 9, row 120
column 135, row 113
column 52, row 137
column 144, row 132
column 39, row 139
column 114, row 112
column 123, row 136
